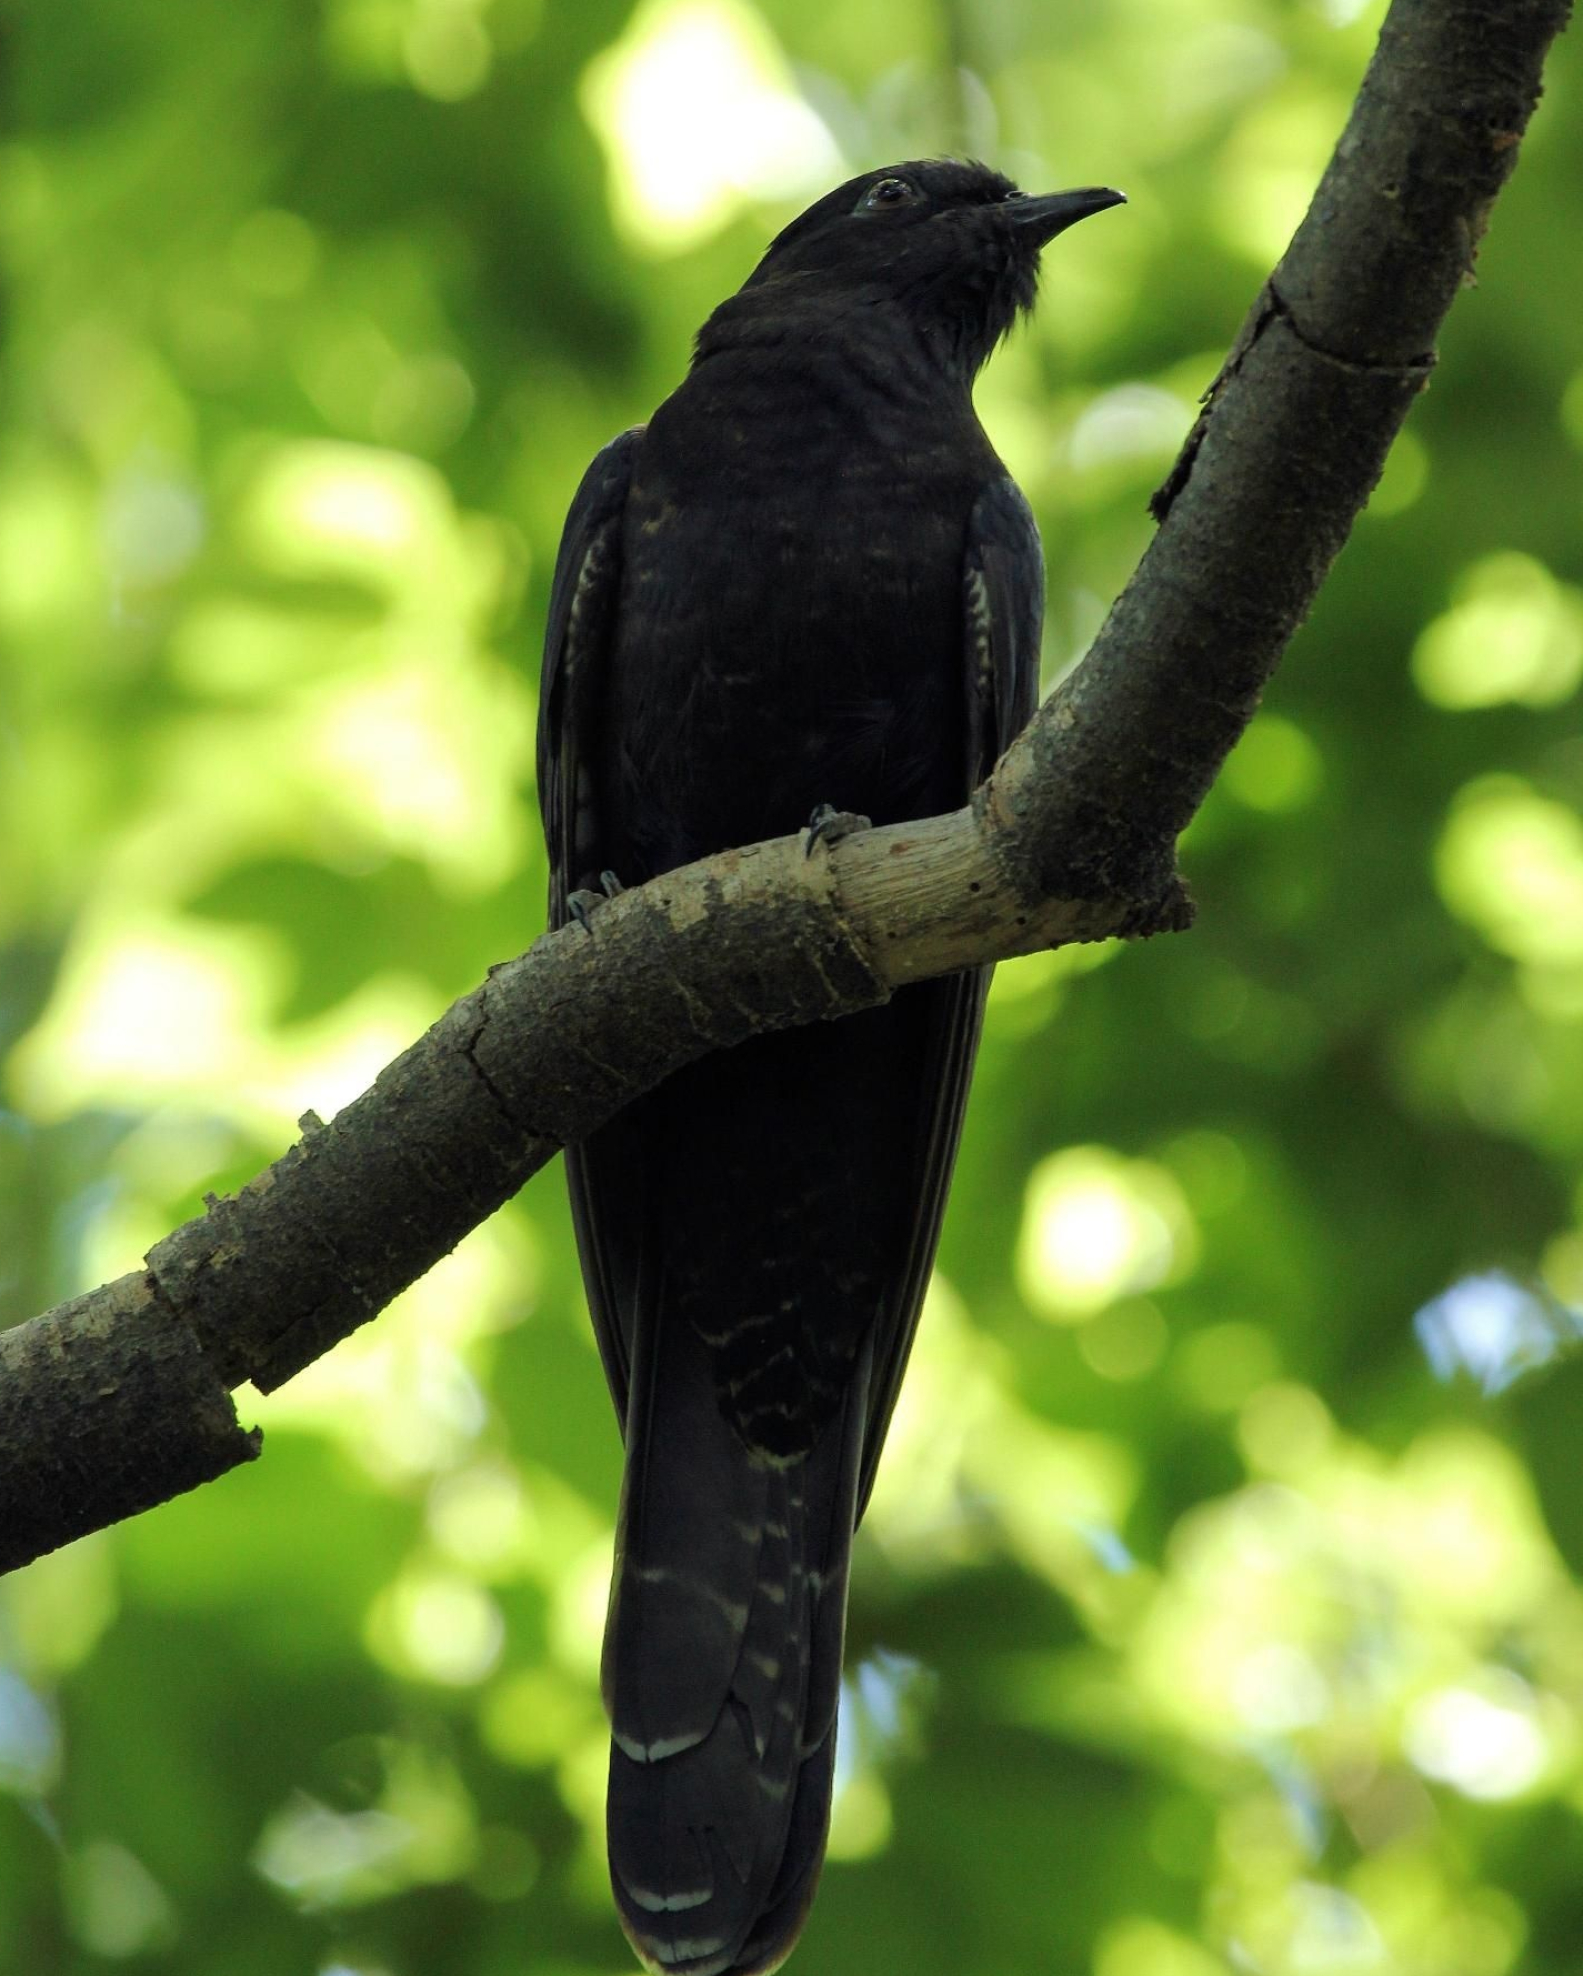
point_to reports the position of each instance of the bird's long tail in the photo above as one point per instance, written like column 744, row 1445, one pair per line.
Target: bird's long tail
column 722, row 1669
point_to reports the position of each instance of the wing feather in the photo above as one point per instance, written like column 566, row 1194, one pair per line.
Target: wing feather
column 1002, row 619
column 583, row 596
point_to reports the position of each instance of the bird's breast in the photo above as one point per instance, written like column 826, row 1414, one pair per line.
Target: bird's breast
column 785, row 639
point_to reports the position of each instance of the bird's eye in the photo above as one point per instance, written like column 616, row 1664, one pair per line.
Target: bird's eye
column 885, row 192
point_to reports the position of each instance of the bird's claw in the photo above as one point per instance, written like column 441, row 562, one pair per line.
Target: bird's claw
column 828, row 825
column 582, row 904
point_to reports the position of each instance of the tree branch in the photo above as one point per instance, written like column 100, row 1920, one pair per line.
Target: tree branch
column 119, row 1399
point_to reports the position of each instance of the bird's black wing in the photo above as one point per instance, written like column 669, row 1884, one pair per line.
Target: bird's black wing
column 1003, row 583
column 1002, row 617
column 578, row 631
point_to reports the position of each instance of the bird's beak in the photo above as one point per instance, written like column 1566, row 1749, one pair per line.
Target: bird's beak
column 1042, row 219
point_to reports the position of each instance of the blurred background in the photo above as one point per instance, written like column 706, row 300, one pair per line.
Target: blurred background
column 1221, row 1605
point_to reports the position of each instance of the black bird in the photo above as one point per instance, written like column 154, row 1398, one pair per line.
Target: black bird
column 807, row 580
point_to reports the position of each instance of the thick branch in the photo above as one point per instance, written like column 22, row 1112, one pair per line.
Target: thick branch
column 118, row 1399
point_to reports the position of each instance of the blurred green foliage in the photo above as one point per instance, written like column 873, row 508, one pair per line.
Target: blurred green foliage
column 1220, row 1605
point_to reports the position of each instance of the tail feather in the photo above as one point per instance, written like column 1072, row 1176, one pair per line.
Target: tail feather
column 780, row 1921
column 685, row 1566
column 722, row 1671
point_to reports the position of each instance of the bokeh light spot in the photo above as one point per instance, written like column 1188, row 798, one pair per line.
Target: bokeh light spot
column 1127, row 1341
column 324, row 508
column 698, row 113
column 1274, row 766
column 153, row 525
column 1218, row 1367
column 1132, row 422
column 1097, row 1226
column 423, row 1830
column 29, row 1740
column 1278, row 1688
column 479, row 1517
column 1494, row 1329
column 146, row 1009
column 1267, row 170
column 1510, row 863
column 116, row 1906
column 1136, row 1947
column 45, row 545
column 447, row 50
column 1485, row 1741
column 437, row 1626
column 532, row 1717
column 332, row 1859
column 1284, row 1429
column 1512, row 633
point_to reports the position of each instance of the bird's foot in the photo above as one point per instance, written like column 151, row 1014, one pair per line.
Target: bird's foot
column 829, row 825
column 583, row 904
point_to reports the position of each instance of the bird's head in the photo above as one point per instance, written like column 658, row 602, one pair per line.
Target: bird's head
column 956, row 245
